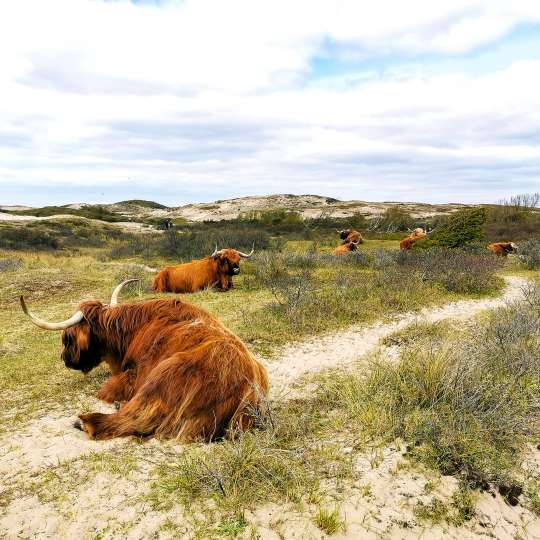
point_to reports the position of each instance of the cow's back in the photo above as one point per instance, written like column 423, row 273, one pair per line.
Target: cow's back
column 187, row 277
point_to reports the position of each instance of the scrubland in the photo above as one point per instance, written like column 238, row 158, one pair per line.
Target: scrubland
column 435, row 430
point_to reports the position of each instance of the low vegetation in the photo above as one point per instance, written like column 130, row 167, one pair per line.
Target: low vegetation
column 466, row 406
column 529, row 254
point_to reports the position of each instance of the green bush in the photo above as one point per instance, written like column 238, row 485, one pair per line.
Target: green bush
column 25, row 238
column 459, row 229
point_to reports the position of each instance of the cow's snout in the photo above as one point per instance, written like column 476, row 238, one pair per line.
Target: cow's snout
column 236, row 270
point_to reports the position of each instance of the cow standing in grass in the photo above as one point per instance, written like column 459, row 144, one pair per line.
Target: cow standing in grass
column 177, row 371
column 214, row 271
column 502, row 249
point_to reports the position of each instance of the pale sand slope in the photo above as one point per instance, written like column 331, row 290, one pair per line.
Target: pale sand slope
column 113, row 503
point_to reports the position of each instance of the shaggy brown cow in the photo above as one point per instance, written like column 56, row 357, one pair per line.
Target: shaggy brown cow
column 502, row 249
column 344, row 248
column 180, row 372
column 350, row 235
column 216, row 270
column 408, row 241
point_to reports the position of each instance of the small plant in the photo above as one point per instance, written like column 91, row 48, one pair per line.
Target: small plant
column 464, row 504
column 9, row 264
column 529, row 254
column 232, row 526
column 533, row 495
column 436, row 511
column 329, row 521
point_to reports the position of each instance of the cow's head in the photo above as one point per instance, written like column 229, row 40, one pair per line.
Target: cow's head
column 344, row 233
column 81, row 349
column 512, row 247
column 229, row 260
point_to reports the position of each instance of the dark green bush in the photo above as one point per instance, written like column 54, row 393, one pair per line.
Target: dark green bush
column 457, row 230
column 25, row 238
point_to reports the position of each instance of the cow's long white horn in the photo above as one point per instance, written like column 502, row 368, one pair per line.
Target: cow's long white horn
column 72, row 321
column 116, row 292
column 215, row 252
column 247, row 255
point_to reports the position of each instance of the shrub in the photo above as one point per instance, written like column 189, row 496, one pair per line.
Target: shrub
column 466, row 407
column 393, row 219
column 8, row 264
column 461, row 228
column 529, row 254
column 462, row 271
column 25, row 238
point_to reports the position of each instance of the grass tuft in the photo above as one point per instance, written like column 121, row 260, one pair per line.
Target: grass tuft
column 329, row 521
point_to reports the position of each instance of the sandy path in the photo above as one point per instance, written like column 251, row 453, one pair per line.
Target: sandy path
column 343, row 348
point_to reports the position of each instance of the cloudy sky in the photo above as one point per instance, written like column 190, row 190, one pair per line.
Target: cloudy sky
column 196, row 100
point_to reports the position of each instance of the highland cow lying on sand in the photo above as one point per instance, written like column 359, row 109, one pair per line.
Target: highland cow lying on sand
column 502, row 249
column 178, row 371
column 214, row 271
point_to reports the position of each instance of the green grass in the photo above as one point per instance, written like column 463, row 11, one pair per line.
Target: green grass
column 329, row 521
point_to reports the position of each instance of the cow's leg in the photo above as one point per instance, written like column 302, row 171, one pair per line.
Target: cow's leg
column 134, row 418
column 223, row 283
column 117, row 388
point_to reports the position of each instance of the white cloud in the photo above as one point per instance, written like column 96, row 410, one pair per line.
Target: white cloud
column 216, row 93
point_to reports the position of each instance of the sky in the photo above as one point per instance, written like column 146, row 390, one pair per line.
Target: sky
column 198, row 100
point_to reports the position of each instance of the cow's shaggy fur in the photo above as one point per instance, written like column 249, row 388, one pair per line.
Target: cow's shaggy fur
column 217, row 270
column 408, row 241
column 502, row 249
column 350, row 235
column 344, row 248
column 176, row 369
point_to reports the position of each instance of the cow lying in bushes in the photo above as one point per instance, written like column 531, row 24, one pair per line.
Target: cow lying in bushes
column 214, row 271
column 502, row 249
column 408, row 241
column 177, row 371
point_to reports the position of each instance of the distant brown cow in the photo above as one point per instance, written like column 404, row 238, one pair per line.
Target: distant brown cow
column 502, row 249
column 216, row 270
column 408, row 241
column 175, row 369
column 350, row 235
column 344, row 248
